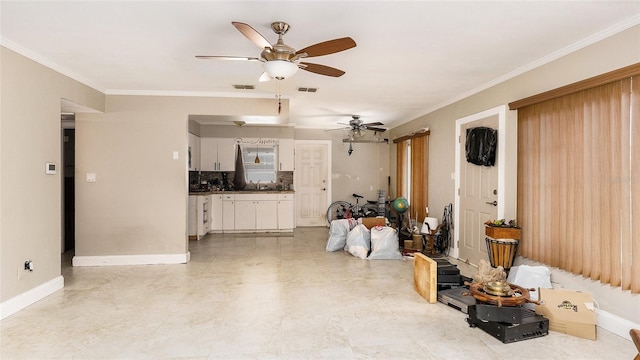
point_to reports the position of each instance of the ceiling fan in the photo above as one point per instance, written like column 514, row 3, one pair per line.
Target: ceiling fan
column 280, row 60
column 357, row 130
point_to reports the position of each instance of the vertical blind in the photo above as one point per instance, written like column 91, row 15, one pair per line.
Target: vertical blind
column 579, row 182
column 417, row 167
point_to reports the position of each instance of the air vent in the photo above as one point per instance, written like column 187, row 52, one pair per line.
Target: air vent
column 244, row 87
column 304, row 89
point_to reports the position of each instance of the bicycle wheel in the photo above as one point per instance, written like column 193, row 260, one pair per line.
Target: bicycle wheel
column 369, row 210
column 338, row 210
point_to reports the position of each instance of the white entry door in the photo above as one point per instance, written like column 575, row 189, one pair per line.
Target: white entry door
column 478, row 197
column 312, row 182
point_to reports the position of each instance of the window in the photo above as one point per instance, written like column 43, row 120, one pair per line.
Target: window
column 259, row 163
column 578, row 187
column 412, row 172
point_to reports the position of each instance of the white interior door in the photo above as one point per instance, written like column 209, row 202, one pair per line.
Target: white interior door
column 478, row 197
column 312, row 185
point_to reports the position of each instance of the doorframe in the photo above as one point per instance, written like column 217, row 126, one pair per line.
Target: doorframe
column 328, row 174
column 507, row 154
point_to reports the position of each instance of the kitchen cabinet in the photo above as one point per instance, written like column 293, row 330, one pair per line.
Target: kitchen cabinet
column 256, row 212
column 245, row 215
column 226, row 154
column 198, row 216
column 228, row 212
column 193, row 154
column 249, row 212
column 285, row 212
column 286, row 154
column 217, row 154
column 267, row 215
column 215, row 212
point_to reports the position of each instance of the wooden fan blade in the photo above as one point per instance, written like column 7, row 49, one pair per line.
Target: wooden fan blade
column 376, row 129
column 328, row 47
column 242, row 58
column 322, row 69
column 251, row 34
column 373, row 124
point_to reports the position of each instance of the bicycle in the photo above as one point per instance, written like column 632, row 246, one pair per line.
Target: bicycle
column 345, row 210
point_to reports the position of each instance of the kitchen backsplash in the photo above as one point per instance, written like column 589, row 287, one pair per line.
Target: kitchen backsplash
column 215, row 179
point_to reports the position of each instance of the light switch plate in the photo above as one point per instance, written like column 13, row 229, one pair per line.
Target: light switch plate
column 50, row 168
column 176, row 155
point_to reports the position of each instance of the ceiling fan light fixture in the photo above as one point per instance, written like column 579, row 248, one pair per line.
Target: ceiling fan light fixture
column 280, row 69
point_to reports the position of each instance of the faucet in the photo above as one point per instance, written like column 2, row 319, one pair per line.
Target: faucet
column 258, row 185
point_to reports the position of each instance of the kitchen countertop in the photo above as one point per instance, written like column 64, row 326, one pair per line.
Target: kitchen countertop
column 242, row 192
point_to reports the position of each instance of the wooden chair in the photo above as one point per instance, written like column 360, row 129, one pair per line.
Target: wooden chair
column 635, row 336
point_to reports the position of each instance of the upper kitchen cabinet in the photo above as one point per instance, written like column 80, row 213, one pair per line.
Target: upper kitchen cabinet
column 286, row 154
column 194, row 152
column 227, row 154
column 217, row 154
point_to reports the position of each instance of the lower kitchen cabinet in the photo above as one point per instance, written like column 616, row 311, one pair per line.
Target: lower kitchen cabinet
column 215, row 212
column 285, row 212
column 228, row 212
column 198, row 216
column 245, row 214
column 267, row 215
column 234, row 212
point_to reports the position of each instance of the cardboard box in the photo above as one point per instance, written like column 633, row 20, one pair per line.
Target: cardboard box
column 371, row 222
column 569, row 312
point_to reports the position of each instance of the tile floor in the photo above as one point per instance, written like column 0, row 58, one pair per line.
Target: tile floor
column 264, row 297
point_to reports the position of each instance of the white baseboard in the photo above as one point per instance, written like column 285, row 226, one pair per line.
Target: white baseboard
column 113, row 260
column 615, row 324
column 29, row 297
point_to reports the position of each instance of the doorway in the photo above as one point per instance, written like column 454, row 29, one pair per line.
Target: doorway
column 68, row 181
column 312, row 181
column 484, row 193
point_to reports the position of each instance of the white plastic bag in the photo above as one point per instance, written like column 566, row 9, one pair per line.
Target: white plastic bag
column 338, row 233
column 530, row 277
column 384, row 244
column 358, row 242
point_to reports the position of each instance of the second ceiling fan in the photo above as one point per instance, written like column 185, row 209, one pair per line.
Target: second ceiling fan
column 280, row 60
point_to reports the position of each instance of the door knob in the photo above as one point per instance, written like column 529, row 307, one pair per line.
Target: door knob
column 494, row 203
column 324, row 189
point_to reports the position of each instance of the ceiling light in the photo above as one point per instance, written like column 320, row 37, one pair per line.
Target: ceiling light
column 280, row 69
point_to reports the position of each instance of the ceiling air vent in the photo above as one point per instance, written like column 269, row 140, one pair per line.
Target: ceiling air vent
column 244, row 87
column 304, row 89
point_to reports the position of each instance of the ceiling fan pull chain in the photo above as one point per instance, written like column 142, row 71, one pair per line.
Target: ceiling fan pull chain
column 279, row 97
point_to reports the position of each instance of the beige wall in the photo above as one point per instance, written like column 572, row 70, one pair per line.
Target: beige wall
column 30, row 227
column 138, row 206
column 613, row 53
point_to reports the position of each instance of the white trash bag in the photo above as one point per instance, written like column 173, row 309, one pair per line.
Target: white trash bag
column 384, row 244
column 338, row 233
column 358, row 242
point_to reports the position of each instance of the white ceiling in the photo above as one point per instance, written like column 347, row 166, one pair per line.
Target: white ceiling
column 411, row 56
